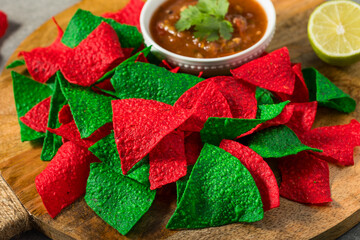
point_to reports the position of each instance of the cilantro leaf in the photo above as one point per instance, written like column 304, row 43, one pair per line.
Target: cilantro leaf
column 208, row 19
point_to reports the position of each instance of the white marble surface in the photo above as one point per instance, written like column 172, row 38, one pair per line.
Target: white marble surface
column 24, row 17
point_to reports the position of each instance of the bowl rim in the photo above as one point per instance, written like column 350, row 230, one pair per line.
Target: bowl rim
column 270, row 13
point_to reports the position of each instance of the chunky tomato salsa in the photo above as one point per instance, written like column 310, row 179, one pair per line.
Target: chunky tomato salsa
column 247, row 17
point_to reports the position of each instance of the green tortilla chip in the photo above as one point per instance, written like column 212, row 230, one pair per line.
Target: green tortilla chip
column 118, row 200
column 106, row 151
column 84, row 22
column 16, row 63
column 181, row 184
column 326, row 93
column 277, row 142
column 217, row 129
column 220, row 191
column 52, row 141
column 264, row 96
column 90, row 110
column 148, row 81
column 27, row 94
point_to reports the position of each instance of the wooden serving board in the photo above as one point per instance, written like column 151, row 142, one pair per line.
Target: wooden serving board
column 20, row 162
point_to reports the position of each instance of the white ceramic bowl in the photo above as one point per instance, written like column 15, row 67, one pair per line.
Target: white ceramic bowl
column 210, row 66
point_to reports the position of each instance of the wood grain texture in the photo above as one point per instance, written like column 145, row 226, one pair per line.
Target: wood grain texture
column 20, row 162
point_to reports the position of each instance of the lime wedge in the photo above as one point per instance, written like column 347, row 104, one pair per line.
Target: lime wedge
column 334, row 32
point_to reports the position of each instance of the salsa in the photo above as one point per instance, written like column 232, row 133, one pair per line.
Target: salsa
column 247, row 17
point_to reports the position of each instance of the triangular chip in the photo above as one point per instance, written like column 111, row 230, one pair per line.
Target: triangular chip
column 90, row 110
column 167, row 160
column 53, row 142
column 217, row 129
column 181, row 184
column 326, row 93
column 261, row 172
column 148, row 81
column 64, row 179
column 337, row 142
column 105, row 150
column 93, row 57
column 303, row 117
column 305, row 179
column 276, row 142
column 211, row 103
column 130, row 14
column 140, row 124
column 43, row 62
column 272, row 72
column 25, row 99
column 84, row 22
column 37, row 117
column 117, row 199
column 220, row 191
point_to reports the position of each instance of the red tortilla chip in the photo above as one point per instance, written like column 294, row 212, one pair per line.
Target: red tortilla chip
column 65, row 115
column 301, row 93
column 193, row 146
column 305, row 179
column 43, row 62
column 259, row 170
column 3, row 23
column 105, row 85
column 37, row 117
column 130, row 14
column 272, row 72
column 140, row 124
column 93, row 57
column 239, row 95
column 64, row 179
column 167, row 160
column 70, row 132
column 303, row 117
column 211, row 103
column 337, row 142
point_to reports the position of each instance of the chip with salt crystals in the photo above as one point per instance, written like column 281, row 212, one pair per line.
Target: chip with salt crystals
column 64, row 179
column 105, row 150
column 305, row 179
column 337, row 142
column 99, row 53
column 217, row 129
column 276, row 142
column 167, row 160
column 272, row 72
column 37, row 117
column 43, row 62
column 148, row 81
column 326, row 93
column 260, row 171
column 52, row 142
column 220, row 190
column 89, row 109
column 210, row 103
column 25, row 100
column 70, row 132
column 140, row 124
column 117, row 199
column 130, row 14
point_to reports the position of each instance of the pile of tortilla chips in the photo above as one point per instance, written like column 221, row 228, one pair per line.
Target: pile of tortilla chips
column 118, row 125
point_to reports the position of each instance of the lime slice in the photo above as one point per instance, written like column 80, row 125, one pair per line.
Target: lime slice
column 334, row 32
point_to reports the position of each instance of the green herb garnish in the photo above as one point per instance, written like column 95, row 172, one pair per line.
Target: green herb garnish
column 208, row 19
